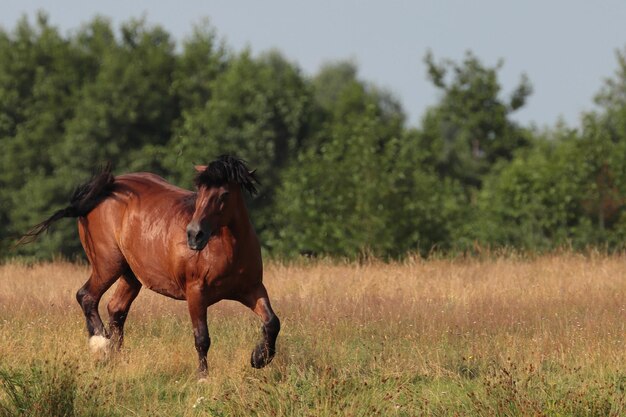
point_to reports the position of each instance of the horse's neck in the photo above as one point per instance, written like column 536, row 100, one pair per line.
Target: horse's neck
column 240, row 223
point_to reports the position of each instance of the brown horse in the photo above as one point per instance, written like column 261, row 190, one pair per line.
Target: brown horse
column 140, row 230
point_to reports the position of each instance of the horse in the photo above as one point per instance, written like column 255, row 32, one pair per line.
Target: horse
column 139, row 230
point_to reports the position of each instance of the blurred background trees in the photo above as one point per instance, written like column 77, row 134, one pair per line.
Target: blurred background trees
column 342, row 174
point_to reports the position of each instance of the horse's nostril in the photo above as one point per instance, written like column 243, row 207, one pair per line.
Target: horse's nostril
column 199, row 235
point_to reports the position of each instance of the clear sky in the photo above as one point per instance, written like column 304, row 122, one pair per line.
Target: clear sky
column 566, row 47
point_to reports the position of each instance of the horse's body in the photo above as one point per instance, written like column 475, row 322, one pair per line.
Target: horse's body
column 150, row 218
column 199, row 247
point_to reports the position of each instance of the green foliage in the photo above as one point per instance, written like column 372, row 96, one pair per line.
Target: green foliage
column 564, row 192
column 335, row 198
column 341, row 173
column 126, row 105
column 38, row 73
column 470, row 129
column 515, row 198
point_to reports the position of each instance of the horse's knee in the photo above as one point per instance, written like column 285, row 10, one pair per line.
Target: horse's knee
column 85, row 299
column 89, row 305
column 272, row 327
column 80, row 294
column 203, row 343
column 117, row 312
column 111, row 309
column 266, row 349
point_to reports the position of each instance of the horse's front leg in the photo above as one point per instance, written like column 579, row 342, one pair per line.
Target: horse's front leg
column 259, row 302
column 197, row 304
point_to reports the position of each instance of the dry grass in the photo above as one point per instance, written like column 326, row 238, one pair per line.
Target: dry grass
column 500, row 337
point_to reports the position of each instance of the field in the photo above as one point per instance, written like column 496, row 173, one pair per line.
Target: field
column 503, row 336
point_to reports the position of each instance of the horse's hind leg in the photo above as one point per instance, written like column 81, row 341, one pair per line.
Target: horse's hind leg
column 259, row 302
column 127, row 289
column 88, row 296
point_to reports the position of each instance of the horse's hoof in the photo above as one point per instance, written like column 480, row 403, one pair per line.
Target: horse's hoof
column 99, row 344
column 261, row 356
column 203, row 380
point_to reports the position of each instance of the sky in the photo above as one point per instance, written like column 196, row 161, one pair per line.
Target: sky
column 566, row 47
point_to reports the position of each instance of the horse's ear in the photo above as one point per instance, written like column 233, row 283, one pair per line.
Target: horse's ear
column 200, row 168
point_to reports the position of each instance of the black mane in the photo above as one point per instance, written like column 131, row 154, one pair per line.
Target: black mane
column 226, row 169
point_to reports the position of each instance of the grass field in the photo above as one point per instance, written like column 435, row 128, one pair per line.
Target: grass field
column 506, row 336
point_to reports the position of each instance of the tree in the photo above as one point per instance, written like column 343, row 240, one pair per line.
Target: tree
column 128, row 106
column 202, row 60
column 470, row 129
column 565, row 191
column 612, row 100
column 334, row 199
column 532, row 201
column 38, row 72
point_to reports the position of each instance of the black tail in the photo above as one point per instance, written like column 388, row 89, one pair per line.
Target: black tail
column 84, row 199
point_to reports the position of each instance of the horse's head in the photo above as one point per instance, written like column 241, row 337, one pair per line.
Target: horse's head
column 213, row 210
column 218, row 198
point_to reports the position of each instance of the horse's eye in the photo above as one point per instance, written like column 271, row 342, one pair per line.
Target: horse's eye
column 223, row 196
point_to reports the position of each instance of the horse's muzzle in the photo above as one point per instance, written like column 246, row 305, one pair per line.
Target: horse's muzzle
column 196, row 237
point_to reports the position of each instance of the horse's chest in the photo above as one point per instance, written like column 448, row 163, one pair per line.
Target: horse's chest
column 228, row 286
column 232, row 276
column 226, row 269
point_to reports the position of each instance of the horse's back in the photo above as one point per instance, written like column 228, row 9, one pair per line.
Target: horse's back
column 140, row 194
column 147, row 182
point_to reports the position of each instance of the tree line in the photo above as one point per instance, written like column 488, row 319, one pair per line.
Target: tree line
column 342, row 173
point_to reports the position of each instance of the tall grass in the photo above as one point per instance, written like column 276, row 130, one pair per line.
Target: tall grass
column 506, row 336
column 49, row 389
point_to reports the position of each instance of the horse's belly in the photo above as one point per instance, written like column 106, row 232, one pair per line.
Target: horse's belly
column 146, row 249
column 169, row 292
column 162, row 284
column 153, row 274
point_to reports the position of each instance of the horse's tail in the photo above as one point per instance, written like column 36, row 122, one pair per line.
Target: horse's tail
column 84, row 199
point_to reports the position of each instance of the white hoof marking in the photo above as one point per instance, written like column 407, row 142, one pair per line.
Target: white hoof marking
column 99, row 344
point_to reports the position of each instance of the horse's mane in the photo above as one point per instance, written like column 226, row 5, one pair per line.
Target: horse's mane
column 226, row 169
